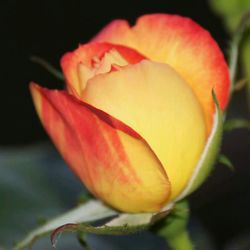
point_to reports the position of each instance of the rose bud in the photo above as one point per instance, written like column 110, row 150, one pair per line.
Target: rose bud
column 137, row 112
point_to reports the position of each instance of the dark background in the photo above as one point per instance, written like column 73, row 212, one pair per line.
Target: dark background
column 50, row 28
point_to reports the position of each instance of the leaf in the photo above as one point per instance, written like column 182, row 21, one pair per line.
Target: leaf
column 209, row 155
column 223, row 159
column 236, row 124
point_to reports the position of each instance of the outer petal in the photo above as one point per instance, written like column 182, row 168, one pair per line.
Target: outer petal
column 209, row 154
column 85, row 54
column 184, row 45
column 115, row 166
column 158, row 104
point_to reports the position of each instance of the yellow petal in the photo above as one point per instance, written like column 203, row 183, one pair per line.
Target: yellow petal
column 181, row 43
column 158, row 104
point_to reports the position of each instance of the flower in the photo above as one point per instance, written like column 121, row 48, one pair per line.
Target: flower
column 137, row 112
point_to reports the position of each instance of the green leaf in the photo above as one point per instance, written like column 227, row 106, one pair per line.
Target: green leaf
column 236, row 124
column 175, row 222
column 209, row 155
column 223, row 159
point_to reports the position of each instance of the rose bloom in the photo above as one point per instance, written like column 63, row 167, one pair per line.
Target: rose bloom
column 137, row 110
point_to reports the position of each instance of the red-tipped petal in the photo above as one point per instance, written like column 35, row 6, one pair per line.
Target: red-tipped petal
column 119, row 168
column 181, row 43
column 85, row 55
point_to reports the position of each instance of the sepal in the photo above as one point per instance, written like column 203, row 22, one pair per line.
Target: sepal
column 77, row 219
column 174, row 227
column 209, row 155
column 90, row 211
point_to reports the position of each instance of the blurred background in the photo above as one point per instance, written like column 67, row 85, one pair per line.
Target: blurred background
column 35, row 184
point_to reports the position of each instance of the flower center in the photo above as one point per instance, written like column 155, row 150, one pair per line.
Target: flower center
column 110, row 61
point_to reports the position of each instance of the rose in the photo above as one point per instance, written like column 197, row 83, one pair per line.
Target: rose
column 137, row 112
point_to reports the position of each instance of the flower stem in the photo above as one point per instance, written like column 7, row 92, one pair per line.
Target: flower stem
column 181, row 241
column 174, row 228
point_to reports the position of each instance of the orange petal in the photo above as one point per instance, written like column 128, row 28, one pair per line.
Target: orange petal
column 181, row 43
column 157, row 103
column 84, row 55
column 116, row 165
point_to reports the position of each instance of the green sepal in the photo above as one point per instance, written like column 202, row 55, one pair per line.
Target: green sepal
column 123, row 224
column 209, row 155
column 90, row 211
column 175, row 222
column 78, row 219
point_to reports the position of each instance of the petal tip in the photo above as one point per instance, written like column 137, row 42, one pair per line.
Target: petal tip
column 35, row 90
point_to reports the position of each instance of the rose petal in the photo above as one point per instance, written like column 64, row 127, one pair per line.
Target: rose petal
column 119, row 168
column 181, row 43
column 85, row 55
column 158, row 104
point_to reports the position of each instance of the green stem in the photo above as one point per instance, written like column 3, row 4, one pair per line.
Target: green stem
column 234, row 51
column 181, row 241
column 174, row 228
